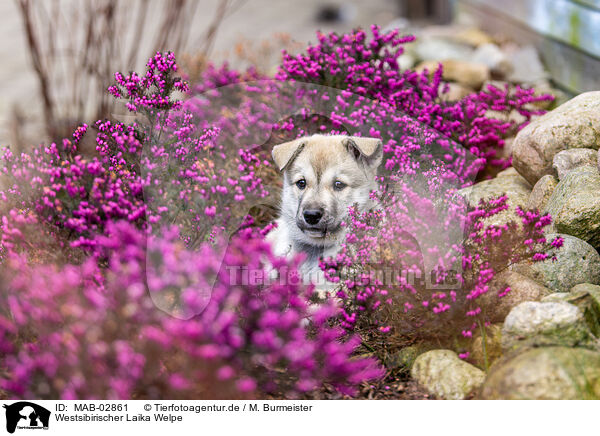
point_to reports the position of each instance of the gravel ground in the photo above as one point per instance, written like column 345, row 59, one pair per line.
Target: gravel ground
column 391, row 388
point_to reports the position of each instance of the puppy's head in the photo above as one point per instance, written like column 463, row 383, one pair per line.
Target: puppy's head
column 323, row 177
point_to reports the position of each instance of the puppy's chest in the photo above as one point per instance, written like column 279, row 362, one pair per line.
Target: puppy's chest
column 310, row 266
column 285, row 245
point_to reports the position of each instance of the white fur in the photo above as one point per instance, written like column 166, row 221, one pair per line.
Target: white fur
column 336, row 162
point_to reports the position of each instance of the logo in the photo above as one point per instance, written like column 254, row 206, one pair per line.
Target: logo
column 26, row 415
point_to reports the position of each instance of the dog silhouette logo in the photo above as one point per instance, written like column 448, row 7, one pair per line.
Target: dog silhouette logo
column 26, row 415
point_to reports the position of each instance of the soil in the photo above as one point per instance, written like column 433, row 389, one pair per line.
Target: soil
column 390, row 388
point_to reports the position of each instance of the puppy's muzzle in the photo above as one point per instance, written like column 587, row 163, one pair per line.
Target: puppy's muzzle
column 312, row 223
column 312, row 217
column 315, row 223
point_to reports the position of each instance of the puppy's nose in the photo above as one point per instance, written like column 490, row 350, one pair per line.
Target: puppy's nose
column 313, row 216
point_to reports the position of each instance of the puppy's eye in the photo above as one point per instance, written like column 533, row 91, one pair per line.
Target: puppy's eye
column 338, row 186
column 301, row 184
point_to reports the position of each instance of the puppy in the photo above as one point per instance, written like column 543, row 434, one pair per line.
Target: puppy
column 322, row 177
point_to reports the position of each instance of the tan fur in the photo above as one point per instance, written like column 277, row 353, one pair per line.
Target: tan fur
column 321, row 161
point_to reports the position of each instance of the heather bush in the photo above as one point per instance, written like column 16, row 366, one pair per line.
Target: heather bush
column 84, row 332
column 398, row 285
column 101, row 312
column 369, row 67
column 164, row 168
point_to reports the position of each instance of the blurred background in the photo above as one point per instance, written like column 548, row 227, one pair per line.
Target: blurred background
column 58, row 56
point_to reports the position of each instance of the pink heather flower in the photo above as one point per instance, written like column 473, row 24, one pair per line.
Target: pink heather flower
column 179, row 382
column 246, row 385
column 441, row 307
column 210, row 211
column 225, row 373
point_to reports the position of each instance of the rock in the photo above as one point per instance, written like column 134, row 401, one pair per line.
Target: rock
column 473, row 37
column 528, row 67
column 456, row 92
column 509, row 172
column 430, row 66
column 590, row 294
column 406, row 61
column 484, row 357
column 581, row 299
column 466, row 73
column 576, row 262
column 585, row 296
column 432, row 48
column 598, row 165
column 522, row 289
column 500, row 84
column 445, row 375
column 547, row 373
column 489, row 54
column 541, row 192
column 498, row 115
column 399, row 23
column 545, row 87
column 566, row 160
column 513, row 116
column 506, row 151
column 503, row 154
column 575, row 205
column 510, row 183
column 546, row 323
column 516, row 117
column 408, row 58
column 587, row 287
column 404, row 359
column 575, row 124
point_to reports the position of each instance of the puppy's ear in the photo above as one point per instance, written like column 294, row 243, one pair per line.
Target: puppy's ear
column 367, row 150
column 284, row 154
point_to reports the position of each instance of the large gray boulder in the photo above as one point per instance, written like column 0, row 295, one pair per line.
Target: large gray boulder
column 469, row 74
column 494, row 58
column 576, row 262
column 546, row 373
column 585, row 296
column 564, row 161
column 455, row 92
column 508, row 182
column 546, row 323
column 484, row 353
column 528, row 67
column 433, row 48
column 522, row 288
column 445, row 375
column 575, row 205
column 541, row 192
column 588, row 288
column 575, row 124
